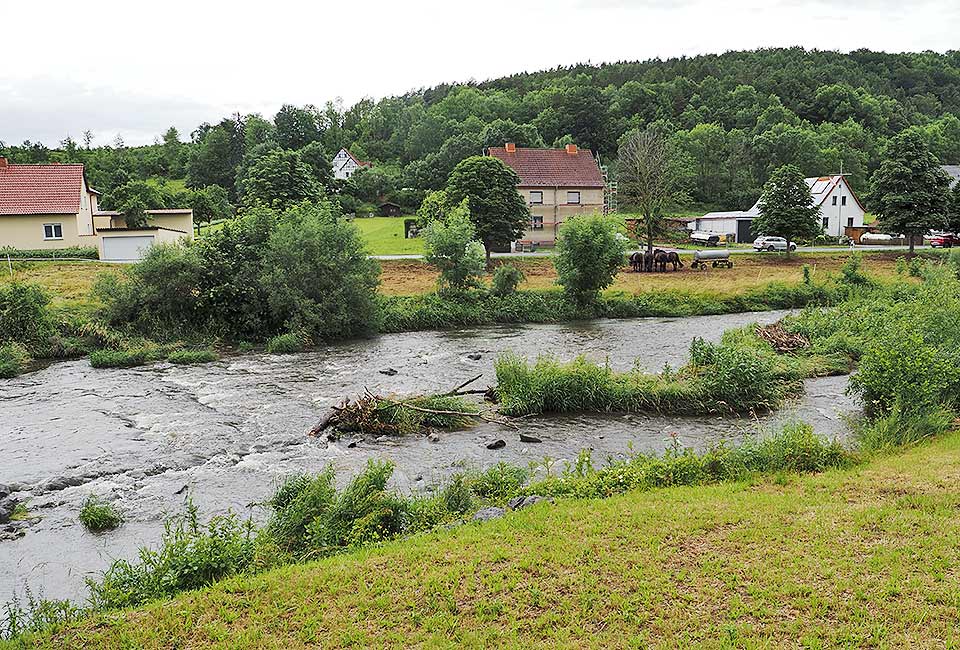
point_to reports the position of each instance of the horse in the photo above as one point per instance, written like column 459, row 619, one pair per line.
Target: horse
column 636, row 261
column 674, row 258
column 660, row 259
column 648, row 262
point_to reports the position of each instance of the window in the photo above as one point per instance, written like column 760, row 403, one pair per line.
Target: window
column 536, row 222
column 52, row 231
column 850, row 221
column 843, row 200
column 826, row 222
column 834, row 200
column 573, row 198
column 536, row 198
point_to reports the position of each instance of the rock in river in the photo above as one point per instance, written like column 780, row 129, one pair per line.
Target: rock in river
column 528, row 438
column 497, row 444
column 389, row 372
column 519, row 503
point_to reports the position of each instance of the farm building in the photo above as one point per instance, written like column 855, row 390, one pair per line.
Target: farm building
column 556, row 184
column 46, row 207
column 345, row 164
column 839, row 209
column 389, row 209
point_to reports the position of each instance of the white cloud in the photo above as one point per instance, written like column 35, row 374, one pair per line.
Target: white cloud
column 132, row 68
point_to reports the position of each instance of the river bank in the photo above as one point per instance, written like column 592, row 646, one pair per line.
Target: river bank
column 226, row 433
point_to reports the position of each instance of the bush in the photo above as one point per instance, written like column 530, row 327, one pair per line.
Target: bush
column 118, row 358
column 506, row 280
column 82, row 252
column 589, row 255
column 451, row 245
column 289, row 343
column 25, row 317
column 13, row 360
column 97, row 515
column 185, row 357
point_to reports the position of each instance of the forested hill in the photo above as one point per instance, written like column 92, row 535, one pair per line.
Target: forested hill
column 737, row 115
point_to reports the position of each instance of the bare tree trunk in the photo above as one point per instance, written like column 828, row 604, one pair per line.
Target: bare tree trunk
column 649, row 223
column 486, row 248
column 911, row 244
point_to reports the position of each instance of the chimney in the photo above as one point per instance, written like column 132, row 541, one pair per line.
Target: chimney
column 571, row 148
column 511, row 147
column 3, row 162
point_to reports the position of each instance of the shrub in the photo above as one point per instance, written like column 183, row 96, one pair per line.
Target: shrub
column 192, row 356
column 127, row 358
column 851, row 274
column 25, row 317
column 13, row 360
column 451, row 245
column 317, row 276
column 589, row 255
column 289, row 343
column 37, row 615
column 82, row 252
column 506, row 280
column 97, row 515
column 902, row 427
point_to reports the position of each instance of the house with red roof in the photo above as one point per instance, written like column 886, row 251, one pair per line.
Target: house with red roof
column 556, row 184
column 52, row 206
column 345, row 164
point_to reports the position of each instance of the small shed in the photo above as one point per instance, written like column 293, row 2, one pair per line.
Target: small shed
column 388, row 209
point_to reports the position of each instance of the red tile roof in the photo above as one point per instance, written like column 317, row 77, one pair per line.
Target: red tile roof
column 40, row 189
column 551, row 167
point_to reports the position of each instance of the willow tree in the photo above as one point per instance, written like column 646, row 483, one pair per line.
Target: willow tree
column 652, row 178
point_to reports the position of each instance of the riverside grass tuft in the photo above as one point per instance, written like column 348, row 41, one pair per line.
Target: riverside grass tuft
column 98, row 515
column 189, row 357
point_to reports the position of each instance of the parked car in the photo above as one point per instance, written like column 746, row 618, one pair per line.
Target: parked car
column 772, row 244
column 945, row 240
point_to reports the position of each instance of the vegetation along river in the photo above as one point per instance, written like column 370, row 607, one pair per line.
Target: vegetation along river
column 225, row 433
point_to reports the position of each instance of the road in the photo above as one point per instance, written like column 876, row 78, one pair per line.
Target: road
column 685, row 251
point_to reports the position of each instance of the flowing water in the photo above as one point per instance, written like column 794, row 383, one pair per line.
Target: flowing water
column 225, row 433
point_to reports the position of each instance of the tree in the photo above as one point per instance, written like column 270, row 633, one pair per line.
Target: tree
column 786, row 207
column 279, row 180
column 317, row 275
column 909, row 190
column 433, row 208
column 651, row 178
column 451, row 245
column 133, row 199
column 499, row 213
column 316, row 157
column 296, row 127
column 209, row 203
column 590, row 251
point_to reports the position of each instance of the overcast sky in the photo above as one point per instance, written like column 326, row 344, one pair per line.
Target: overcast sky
column 133, row 69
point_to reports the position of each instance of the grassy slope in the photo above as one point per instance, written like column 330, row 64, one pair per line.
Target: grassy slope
column 384, row 236
column 866, row 557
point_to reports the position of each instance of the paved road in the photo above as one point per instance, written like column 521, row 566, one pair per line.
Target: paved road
column 685, row 251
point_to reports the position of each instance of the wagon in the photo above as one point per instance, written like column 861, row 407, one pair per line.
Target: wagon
column 715, row 258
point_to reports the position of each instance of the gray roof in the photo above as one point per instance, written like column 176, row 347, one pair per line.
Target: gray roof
column 953, row 171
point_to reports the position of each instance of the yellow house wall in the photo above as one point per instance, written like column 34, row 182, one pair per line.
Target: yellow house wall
column 183, row 222
column 26, row 232
column 555, row 209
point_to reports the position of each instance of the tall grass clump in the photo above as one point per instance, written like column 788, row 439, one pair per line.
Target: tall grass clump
column 20, row 619
column 289, row 343
column 190, row 555
column 126, row 358
column 13, row 360
column 902, row 427
column 186, row 357
column 98, row 515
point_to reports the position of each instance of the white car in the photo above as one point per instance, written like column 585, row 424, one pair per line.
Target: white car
column 773, row 244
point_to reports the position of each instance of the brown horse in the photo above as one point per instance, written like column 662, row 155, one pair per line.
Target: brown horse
column 674, row 258
column 636, row 261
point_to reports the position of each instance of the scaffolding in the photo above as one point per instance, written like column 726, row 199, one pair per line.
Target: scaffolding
column 609, row 190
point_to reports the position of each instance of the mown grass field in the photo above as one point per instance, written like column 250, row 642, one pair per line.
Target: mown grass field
column 866, row 557
column 69, row 283
column 384, row 236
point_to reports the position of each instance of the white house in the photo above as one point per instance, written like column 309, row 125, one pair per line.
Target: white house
column 345, row 164
column 839, row 208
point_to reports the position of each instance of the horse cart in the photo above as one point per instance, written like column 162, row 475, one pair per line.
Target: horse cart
column 714, row 258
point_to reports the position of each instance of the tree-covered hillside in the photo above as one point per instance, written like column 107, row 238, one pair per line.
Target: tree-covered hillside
column 737, row 117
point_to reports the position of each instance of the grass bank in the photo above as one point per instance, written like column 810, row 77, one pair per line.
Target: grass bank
column 849, row 557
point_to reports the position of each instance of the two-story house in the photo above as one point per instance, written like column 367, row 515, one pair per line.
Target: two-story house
column 840, row 208
column 345, row 164
column 556, row 184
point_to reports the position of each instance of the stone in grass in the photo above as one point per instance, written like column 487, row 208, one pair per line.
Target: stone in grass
column 528, row 438
column 497, row 444
column 486, row 514
column 519, row 503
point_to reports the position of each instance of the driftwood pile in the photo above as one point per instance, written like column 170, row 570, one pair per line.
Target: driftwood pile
column 781, row 340
column 373, row 414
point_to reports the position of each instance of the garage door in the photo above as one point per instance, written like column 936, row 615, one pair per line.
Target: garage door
column 126, row 249
column 744, row 234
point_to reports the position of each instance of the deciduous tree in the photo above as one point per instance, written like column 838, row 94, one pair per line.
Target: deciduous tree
column 786, row 207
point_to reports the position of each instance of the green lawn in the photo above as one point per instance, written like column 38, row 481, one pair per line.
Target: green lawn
column 384, row 236
column 866, row 557
column 173, row 184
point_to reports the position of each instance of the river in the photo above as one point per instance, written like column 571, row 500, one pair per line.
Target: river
column 225, row 433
